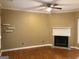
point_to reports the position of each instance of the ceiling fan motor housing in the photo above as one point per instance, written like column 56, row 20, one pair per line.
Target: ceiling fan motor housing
column 49, row 5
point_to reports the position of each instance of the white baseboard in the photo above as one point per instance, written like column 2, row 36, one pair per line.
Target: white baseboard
column 75, row 47
column 26, row 47
column 51, row 45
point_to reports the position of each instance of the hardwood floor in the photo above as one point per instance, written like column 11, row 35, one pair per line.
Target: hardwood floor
column 43, row 53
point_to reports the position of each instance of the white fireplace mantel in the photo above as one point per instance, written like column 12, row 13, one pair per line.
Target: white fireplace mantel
column 61, row 31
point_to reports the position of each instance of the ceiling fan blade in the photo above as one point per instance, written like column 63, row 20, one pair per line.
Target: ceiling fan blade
column 68, row 4
column 40, row 1
column 42, row 9
column 34, row 7
column 57, row 8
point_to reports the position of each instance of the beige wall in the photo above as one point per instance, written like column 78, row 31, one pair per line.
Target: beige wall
column 35, row 28
column 30, row 29
column 77, row 14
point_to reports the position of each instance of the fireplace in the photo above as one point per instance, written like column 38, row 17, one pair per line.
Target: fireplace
column 61, row 41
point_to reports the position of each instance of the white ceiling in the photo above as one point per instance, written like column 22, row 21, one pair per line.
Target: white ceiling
column 28, row 5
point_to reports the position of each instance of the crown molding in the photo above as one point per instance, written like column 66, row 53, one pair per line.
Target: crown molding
column 44, row 12
column 24, row 10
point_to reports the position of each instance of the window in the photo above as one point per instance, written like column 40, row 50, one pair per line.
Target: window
column 78, row 32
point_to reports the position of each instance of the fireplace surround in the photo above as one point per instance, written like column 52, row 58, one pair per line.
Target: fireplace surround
column 61, row 37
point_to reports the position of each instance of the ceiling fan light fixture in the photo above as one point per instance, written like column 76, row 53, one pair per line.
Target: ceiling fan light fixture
column 49, row 9
column 51, row 6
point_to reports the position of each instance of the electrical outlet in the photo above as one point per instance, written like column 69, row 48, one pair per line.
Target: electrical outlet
column 43, row 41
column 22, row 43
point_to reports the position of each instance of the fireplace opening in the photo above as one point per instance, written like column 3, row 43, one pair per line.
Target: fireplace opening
column 61, row 41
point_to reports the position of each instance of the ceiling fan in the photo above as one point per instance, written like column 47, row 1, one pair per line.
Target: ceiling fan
column 49, row 6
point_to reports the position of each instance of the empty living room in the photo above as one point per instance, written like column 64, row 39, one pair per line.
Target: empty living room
column 39, row 29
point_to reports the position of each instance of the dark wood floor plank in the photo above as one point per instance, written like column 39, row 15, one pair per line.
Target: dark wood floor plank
column 43, row 53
